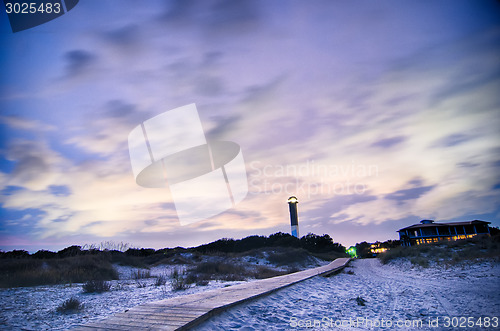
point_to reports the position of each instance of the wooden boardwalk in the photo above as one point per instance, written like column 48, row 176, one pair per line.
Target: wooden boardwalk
column 186, row 311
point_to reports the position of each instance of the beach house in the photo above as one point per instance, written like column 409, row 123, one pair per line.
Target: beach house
column 427, row 231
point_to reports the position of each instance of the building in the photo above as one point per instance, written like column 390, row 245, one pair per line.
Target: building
column 294, row 216
column 429, row 232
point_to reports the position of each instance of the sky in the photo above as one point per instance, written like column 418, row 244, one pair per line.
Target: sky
column 374, row 114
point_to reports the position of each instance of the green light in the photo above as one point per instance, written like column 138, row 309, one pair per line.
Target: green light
column 352, row 251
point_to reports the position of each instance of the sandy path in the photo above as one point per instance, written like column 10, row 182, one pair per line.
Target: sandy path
column 470, row 291
column 394, row 296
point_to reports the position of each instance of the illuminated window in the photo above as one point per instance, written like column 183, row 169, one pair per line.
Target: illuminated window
column 378, row 250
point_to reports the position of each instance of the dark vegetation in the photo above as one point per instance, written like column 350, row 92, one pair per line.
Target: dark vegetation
column 448, row 252
column 141, row 274
column 31, row 271
column 363, row 250
column 96, row 286
column 71, row 305
column 360, row 301
column 161, row 280
column 210, row 270
column 179, row 281
column 320, row 246
column 75, row 264
column 222, row 269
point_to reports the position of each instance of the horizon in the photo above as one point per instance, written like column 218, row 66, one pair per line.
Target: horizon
column 374, row 115
column 104, row 245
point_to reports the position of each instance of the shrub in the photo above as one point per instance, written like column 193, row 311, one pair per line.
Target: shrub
column 265, row 272
column 75, row 269
column 141, row 274
column 70, row 306
column 175, row 273
column 15, row 254
column 26, row 272
column 446, row 251
column 179, row 281
column 161, row 280
column 141, row 284
column 80, row 269
column 198, row 279
column 310, row 242
column 289, row 256
column 293, row 269
column 218, row 270
column 175, row 259
column 70, row 251
column 329, row 256
column 202, row 282
column 360, row 301
column 108, row 246
column 127, row 260
column 96, row 286
column 140, row 252
column 421, row 261
column 44, row 254
column 179, row 284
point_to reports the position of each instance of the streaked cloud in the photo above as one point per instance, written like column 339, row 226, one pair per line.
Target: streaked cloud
column 78, row 61
column 20, row 123
column 366, row 97
column 409, row 194
column 388, row 142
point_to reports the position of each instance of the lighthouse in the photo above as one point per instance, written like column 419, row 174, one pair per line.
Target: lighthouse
column 294, row 218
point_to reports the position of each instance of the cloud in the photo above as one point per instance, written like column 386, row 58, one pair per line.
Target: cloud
column 119, row 109
column 222, row 126
column 389, row 142
column 467, row 165
column 335, row 205
column 92, row 203
column 59, row 190
column 209, row 85
column 30, row 170
column 213, row 16
column 228, row 13
column 291, row 86
column 416, row 182
column 409, row 194
column 95, row 197
column 35, row 164
column 22, row 123
column 106, row 133
column 124, row 37
column 454, row 140
column 78, row 62
column 179, row 10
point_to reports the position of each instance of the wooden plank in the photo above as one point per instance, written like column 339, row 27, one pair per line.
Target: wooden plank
column 184, row 312
column 139, row 322
column 170, row 313
column 105, row 326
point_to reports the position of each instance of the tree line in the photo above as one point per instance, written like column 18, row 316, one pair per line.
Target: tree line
column 311, row 242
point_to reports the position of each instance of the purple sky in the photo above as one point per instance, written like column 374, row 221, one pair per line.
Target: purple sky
column 375, row 114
